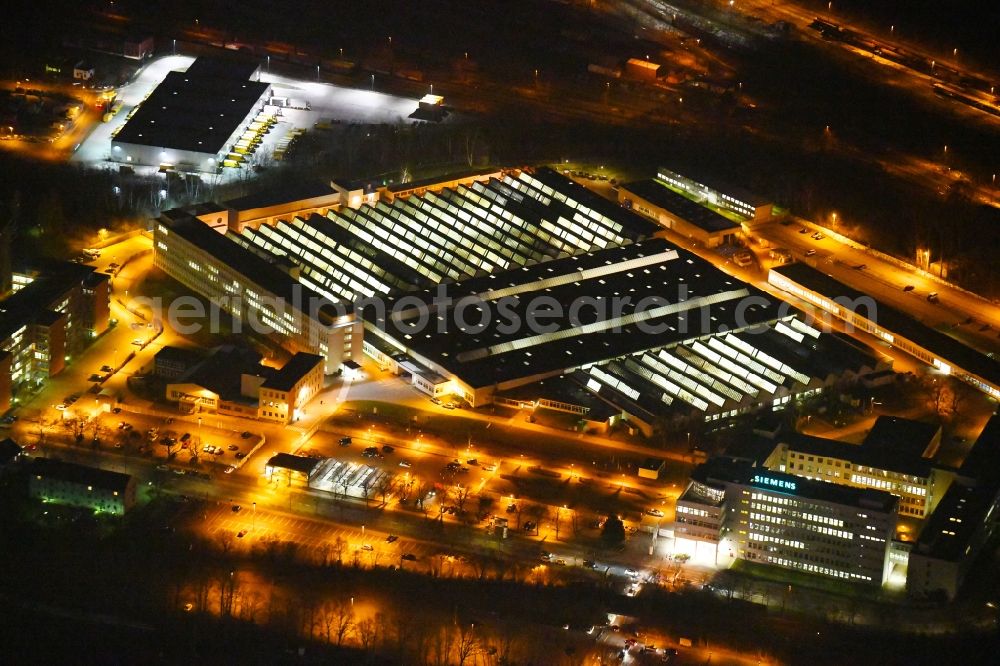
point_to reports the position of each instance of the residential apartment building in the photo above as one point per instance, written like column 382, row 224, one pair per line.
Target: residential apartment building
column 51, row 316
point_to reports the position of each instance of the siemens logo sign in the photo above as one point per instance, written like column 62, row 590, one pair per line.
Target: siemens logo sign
column 774, row 483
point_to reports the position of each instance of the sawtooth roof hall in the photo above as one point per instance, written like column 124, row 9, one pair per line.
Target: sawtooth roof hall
column 521, row 234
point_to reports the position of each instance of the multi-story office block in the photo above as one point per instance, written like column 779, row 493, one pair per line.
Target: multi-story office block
column 787, row 521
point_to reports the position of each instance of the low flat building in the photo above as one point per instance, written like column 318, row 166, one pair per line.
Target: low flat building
column 676, row 212
column 174, row 362
column 283, row 396
column 705, row 187
column 651, row 468
column 193, row 118
column 642, row 70
column 10, row 452
column 63, row 482
column 232, row 381
column 938, row 350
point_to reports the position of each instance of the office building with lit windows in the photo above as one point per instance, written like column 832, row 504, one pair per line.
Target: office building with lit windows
column 896, row 456
column 704, row 187
column 253, row 289
column 787, row 521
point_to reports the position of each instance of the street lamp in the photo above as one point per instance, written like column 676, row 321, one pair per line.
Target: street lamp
column 253, row 525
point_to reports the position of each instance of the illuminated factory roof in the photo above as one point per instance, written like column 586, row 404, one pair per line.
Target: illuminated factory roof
column 447, row 236
column 196, row 110
column 726, row 370
column 685, row 298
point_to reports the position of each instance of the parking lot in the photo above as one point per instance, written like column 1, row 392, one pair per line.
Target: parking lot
column 320, row 539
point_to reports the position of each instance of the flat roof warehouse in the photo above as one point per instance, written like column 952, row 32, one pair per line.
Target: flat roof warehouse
column 196, row 110
column 956, row 354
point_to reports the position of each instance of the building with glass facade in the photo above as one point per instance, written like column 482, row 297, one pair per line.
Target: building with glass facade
column 754, row 514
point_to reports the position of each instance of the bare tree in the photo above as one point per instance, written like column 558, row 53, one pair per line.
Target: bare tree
column 226, row 583
column 339, row 545
column 461, row 494
column 367, row 633
column 249, row 605
column 468, row 643
column 323, row 553
column 225, row 540
column 385, row 486
column 337, row 620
